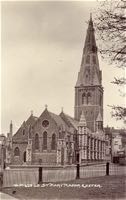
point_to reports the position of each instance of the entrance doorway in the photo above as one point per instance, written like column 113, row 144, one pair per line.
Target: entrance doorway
column 62, row 156
column 24, row 157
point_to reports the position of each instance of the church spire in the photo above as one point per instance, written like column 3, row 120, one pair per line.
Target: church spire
column 90, row 43
column 90, row 16
column 90, row 73
column 11, row 128
column 88, row 89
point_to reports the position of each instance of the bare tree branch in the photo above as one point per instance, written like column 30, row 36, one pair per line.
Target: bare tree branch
column 110, row 25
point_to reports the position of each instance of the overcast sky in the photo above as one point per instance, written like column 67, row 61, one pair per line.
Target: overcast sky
column 42, row 45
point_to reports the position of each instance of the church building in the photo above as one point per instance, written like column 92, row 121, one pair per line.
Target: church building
column 52, row 139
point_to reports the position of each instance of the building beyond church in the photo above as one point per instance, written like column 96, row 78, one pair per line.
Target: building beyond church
column 57, row 139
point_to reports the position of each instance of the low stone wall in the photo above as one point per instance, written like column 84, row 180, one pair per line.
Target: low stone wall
column 30, row 175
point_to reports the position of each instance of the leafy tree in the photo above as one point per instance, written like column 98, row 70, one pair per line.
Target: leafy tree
column 110, row 25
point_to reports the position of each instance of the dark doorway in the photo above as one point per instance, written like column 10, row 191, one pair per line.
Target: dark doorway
column 62, row 156
column 25, row 156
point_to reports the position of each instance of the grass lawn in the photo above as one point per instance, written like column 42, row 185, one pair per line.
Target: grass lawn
column 107, row 187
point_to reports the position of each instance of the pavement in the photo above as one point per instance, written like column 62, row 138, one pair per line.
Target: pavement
column 4, row 196
column 105, row 187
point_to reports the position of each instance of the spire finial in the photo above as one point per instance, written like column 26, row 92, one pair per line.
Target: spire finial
column 11, row 127
column 91, row 22
column 62, row 109
column 90, row 16
column 32, row 112
column 46, row 106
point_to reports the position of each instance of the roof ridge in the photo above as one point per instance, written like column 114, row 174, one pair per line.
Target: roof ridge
column 70, row 116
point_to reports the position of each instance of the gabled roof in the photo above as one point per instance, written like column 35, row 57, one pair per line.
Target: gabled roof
column 30, row 121
column 59, row 121
column 69, row 120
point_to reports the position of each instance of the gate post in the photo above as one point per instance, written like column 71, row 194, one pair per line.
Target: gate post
column 78, row 167
column 78, row 171
column 107, row 169
column 1, row 180
column 40, row 175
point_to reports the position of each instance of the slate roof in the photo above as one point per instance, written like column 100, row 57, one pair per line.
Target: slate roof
column 59, row 121
column 69, row 120
column 30, row 121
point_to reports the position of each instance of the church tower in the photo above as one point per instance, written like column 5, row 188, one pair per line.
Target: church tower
column 88, row 89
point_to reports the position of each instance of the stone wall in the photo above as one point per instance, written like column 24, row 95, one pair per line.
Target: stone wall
column 18, row 160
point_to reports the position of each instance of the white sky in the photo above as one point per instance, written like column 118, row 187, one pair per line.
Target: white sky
column 41, row 48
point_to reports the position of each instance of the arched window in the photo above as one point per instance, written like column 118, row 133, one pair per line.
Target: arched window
column 83, row 98
column 87, row 78
column 60, row 135
column 53, row 144
column 45, row 140
column 29, row 131
column 100, row 125
column 100, row 100
column 16, row 152
column 88, row 59
column 88, row 98
column 23, row 131
column 24, row 156
column 36, row 141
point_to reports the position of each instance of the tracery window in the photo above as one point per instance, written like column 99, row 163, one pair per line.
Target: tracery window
column 45, row 140
column 83, row 98
column 60, row 135
column 36, row 141
column 45, row 123
column 29, row 131
column 53, row 143
column 16, row 152
column 23, row 131
column 88, row 98
column 100, row 100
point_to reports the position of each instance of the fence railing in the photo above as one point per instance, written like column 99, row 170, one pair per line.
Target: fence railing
column 24, row 176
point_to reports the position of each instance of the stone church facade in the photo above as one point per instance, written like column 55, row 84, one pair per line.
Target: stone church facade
column 52, row 139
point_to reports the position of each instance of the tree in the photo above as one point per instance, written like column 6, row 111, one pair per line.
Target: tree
column 110, row 25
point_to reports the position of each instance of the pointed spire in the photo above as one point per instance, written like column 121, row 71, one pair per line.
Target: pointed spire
column 61, row 109
column 23, row 124
column 11, row 127
column 91, row 22
column 99, row 117
column 90, row 16
column 46, row 106
column 82, row 121
column 90, row 43
column 31, row 112
column 89, row 73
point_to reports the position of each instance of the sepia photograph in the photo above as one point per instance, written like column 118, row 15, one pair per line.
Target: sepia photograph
column 63, row 100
